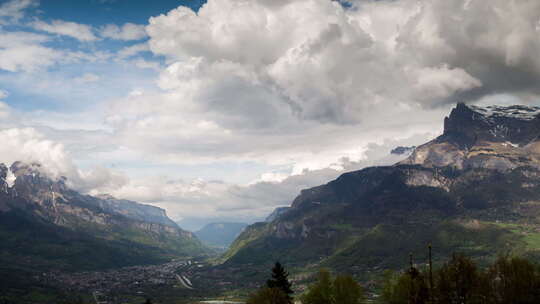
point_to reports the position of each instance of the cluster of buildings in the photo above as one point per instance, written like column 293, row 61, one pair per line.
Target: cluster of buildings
column 133, row 280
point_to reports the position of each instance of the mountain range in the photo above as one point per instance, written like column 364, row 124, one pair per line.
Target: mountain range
column 475, row 189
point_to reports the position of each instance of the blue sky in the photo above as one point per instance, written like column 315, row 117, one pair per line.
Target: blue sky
column 225, row 110
column 102, row 12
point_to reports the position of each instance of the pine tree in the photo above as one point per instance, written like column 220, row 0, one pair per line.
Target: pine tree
column 280, row 280
column 341, row 290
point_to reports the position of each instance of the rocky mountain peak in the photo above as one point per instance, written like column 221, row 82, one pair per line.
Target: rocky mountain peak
column 492, row 137
column 20, row 168
column 468, row 124
column 4, row 184
column 31, row 178
column 3, row 171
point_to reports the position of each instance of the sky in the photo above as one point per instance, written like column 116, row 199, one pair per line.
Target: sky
column 223, row 110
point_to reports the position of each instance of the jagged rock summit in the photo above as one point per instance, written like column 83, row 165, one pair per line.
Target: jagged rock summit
column 492, row 137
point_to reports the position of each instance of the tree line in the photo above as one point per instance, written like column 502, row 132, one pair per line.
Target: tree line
column 508, row 280
column 460, row 280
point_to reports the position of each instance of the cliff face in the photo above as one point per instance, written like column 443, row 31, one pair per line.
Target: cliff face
column 484, row 168
column 134, row 229
column 134, row 210
column 493, row 137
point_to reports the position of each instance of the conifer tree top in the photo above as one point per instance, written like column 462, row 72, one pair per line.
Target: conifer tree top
column 280, row 280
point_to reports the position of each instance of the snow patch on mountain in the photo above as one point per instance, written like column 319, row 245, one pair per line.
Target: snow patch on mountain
column 515, row 111
column 10, row 178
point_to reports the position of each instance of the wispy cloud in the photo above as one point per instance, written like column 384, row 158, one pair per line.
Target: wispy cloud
column 127, row 32
column 14, row 10
column 81, row 32
column 23, row 51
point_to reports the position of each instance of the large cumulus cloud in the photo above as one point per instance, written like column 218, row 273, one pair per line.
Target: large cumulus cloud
column 320, row 61
column 303, row 83
column 494, row 43
column 276, row 73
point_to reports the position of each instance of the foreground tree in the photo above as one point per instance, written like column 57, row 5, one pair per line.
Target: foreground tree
column 514, row 280
column 269, row 296
column 395, row 288
column 347, row 291
column 280, row 280
column 407, row 288
column 321, row 291
column 342, row 290
column 460, row 281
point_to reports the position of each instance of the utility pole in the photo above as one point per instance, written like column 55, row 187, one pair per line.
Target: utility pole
column 430, row 275
column 411, row 274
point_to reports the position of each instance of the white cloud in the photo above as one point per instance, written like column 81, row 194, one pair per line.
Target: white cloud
column 13, row 10
column 87, row 78
column 5, row 110
column 133, row 50
column 23, row 51
column 147, row 64
column 3, row 94
column 440, row 82
column 81, row 32
column 128, row 31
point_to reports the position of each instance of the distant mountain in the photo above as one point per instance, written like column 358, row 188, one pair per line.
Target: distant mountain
column 44, row 225
column 474, row 189
column 220, row 234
